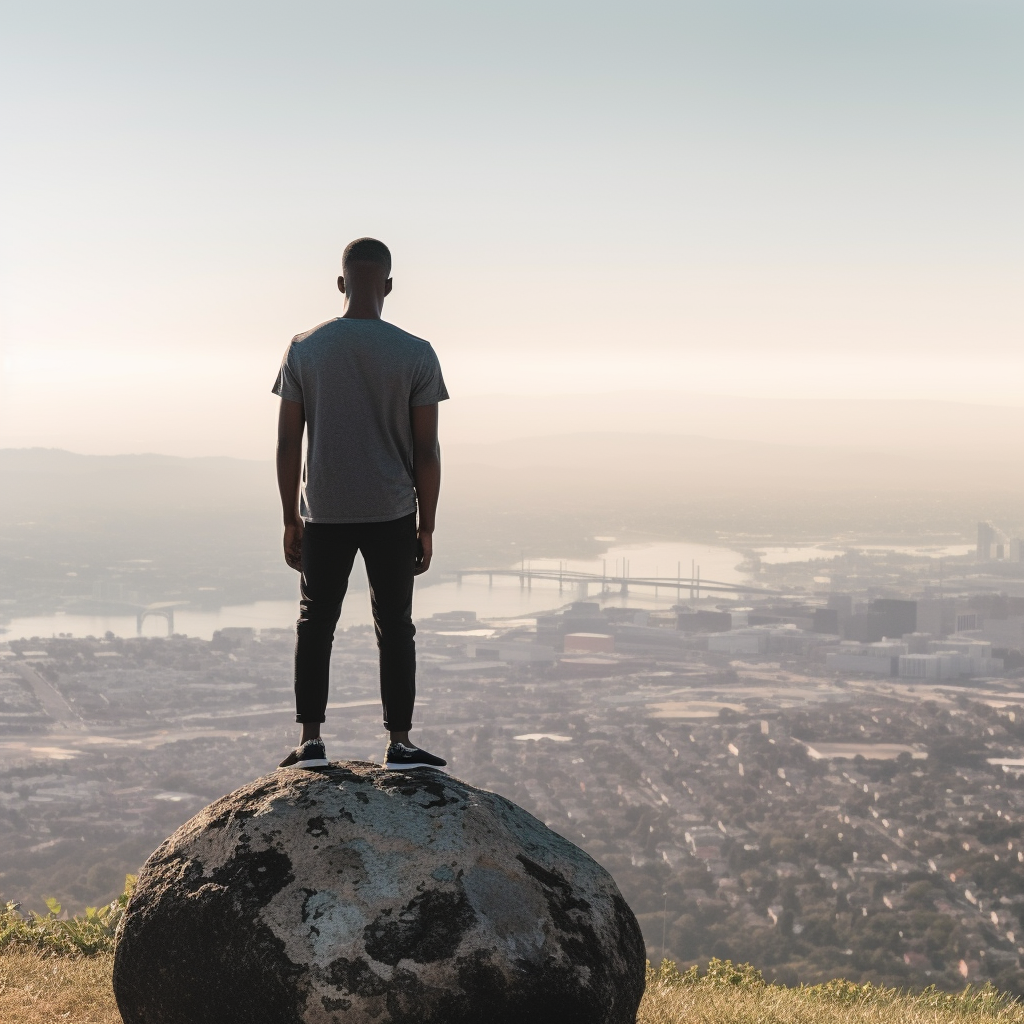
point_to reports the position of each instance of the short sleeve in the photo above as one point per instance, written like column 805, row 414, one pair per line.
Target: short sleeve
column 287, row 384
column 428, row 386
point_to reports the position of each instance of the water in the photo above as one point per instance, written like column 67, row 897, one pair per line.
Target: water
column 806, row 553
column 504, row 600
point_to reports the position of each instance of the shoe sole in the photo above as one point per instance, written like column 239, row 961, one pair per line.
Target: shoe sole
column 316, row 762
column 395, row 767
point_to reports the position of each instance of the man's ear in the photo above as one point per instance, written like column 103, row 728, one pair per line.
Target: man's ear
column 387, row 286
column 341, row 285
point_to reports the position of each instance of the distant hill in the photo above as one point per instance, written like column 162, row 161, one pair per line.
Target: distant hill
column 713, row 484
column 932, row 429
column 80, row 529
column 46, row 482
column 667, row 464
column 208, row 529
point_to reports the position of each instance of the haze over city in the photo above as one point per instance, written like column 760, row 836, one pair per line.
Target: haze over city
column 728, row 574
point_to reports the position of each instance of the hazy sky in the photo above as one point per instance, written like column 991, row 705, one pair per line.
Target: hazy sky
column 726, row 197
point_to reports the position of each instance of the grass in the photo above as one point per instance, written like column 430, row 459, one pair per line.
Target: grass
column 56, row 968
column 42, row 987
column 37, row 987
column 737, row 994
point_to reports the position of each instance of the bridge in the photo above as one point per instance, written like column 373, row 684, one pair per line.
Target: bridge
column 582, row 582
column 163, row 610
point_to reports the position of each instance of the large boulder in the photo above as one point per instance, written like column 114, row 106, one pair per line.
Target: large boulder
column 352, row 894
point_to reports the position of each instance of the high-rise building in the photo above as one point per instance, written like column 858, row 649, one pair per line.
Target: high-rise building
column 986, row 538
column 892, row 618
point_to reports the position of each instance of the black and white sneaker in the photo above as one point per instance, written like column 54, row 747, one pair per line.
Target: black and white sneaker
column 310, row 754
column 400, row 757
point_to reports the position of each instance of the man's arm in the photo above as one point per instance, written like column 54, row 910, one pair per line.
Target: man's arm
column 290, row 423
column 426, row 463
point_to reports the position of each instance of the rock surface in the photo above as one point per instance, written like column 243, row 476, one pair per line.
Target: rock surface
column 352, row 894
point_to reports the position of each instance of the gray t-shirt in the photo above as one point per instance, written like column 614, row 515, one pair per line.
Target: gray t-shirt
column 357, row 380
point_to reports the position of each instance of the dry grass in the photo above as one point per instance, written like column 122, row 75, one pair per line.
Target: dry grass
column 41, row 988
column 703, row 1004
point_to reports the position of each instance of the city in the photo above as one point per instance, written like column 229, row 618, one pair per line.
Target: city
column 839, row 771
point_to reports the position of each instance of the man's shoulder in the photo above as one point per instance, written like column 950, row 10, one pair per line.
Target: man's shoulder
column 404, row 337
column 338, row 326
column 314, row 333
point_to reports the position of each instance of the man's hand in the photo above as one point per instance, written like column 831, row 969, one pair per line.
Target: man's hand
column 424, row 551
column 293, row 544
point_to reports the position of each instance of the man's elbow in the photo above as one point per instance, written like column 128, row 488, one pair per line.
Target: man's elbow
column 288, row 442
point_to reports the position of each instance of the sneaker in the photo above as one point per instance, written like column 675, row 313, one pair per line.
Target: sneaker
column 400, row 757
column 310, row 755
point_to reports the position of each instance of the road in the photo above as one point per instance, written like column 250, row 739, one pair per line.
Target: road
column 52, row 702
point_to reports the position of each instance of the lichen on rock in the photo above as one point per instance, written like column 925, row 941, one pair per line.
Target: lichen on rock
column 352, row 894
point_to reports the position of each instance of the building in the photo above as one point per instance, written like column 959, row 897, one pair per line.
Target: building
column 873, row 659
column 893, row 617
column 1005, row 634
column 826, row 620
column 986, row 540
column 936, row 615
column 705, row 621
column 930, row 666
column 975, row 656
column 579, row 617
column 965, row 621
column 841, row 604
column 782, row 638
column 589, row 643
column 884, row 619
column 511, row 651
column 953, row 661
column 744, row 641
column 230, row 637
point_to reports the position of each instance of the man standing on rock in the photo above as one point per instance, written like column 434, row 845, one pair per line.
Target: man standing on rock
column 368, row 394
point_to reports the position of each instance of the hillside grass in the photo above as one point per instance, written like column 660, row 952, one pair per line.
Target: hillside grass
column 42, row 987
column 37, row 987
column 737, row 994
column 56, row 969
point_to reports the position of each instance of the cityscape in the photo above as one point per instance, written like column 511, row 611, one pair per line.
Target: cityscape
column 669, row 354
column 829, row 755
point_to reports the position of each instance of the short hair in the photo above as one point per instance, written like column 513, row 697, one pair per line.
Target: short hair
column 367, row 250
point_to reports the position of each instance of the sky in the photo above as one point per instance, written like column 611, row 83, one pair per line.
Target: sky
column 803, row 199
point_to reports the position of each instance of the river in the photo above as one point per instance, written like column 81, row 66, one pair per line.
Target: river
column 505, row 599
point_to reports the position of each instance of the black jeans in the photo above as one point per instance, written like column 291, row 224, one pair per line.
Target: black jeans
column 328, row 551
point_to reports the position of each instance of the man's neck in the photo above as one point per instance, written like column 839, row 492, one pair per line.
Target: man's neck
column 362, row 308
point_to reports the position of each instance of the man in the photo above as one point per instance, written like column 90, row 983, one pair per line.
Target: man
column 367, row 392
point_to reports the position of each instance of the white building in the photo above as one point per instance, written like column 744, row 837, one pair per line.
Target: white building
column 930, row 666
column 877, row 659
column 953, row 658
column 510, row 652
column 784, row 638
column 745, row 641
column 975, row 655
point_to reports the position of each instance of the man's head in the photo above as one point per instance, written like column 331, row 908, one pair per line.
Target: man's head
column 367, row 250
column 365, row 274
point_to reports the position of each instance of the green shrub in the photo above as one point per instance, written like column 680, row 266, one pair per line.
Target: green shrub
column 718, row 973
column 57, row 932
